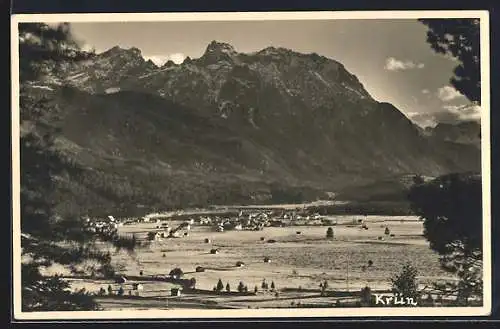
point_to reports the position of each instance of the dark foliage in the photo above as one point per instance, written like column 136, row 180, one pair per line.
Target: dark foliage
column 220, row 285
column 451, row 207
column 366, row 296
column 459, row 38
column 47, row 237
column 405, row 284
column 241, row 287
column 43, row 48
column 176, row 272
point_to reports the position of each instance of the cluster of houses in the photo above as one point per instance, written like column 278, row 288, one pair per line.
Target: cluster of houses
column 252, row 220
column 249, row 221
column 256, row 221
column 103, row 225
column 163, row 230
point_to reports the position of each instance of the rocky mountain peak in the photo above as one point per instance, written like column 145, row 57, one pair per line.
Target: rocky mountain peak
column 133, row 52
column 218, row 52
column 220, row 47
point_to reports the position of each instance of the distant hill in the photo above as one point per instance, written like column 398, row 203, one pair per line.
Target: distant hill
column 467, row 132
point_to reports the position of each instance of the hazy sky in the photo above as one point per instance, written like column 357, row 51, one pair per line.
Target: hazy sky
column 390, row 57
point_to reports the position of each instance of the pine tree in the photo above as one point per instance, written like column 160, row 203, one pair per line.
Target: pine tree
column 228, row 287
column 220, row 286
column 42, row 49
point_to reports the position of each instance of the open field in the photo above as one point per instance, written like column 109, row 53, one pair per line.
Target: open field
column 299, row 262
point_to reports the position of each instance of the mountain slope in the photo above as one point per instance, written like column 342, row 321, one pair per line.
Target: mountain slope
column 467, row 132
column 232, row 127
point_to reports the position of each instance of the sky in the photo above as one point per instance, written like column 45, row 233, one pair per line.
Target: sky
column 391, row 58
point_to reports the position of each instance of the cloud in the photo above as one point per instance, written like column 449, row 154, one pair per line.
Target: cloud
column 448, row 93
column 393, row 64
column 451, row 114
column 468, row 112
column 177, row 58
column 86, row 47
column 159, row 60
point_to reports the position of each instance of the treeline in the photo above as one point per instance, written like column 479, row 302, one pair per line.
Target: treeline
column 128, row 191
column 388, row 208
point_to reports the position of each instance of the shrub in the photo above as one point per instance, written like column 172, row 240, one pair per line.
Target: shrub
column 120, row 291
column 192, row 283
column 241, row 287
column 176, row 272
column 387, row 231
column 110, row 290
column 228, row 287
column 329, row 233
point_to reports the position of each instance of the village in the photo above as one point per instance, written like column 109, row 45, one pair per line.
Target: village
column 243, row 220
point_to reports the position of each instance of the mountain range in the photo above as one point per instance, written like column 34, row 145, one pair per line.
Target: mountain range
column 229, row 127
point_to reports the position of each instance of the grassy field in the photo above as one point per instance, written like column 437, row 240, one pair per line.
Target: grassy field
column 299, row 262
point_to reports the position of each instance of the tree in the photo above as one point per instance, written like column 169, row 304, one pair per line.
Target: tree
column 192, row 283
column 451, row 206
column 228, row 287
column 404, row 284
column 453, row 222
column 241, row 287
column 256, row 289
column 272, row 286
column 121, row 291
column 220, row 286
column 366, row 296
column 176, row 272
column 43, row 49
column 459, row 38
column 329, row 233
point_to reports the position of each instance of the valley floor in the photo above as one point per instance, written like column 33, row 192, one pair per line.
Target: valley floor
column 353, row 259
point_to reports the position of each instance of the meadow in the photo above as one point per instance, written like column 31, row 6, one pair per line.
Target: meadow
column 301, row 257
